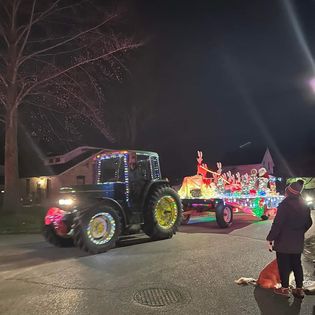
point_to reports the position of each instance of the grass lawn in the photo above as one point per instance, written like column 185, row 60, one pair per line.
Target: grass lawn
column 25, row 220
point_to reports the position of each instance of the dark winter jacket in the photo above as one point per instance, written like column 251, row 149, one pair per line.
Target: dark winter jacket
column 293, row 219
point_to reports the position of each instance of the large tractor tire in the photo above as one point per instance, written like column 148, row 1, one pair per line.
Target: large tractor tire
column 97, row 230
column 54, row 239
column 163, row 213
column 224, row 215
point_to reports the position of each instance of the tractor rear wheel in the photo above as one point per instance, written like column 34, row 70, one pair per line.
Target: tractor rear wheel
column 97, row 230
column 163, row 213
column 54, row 239
column 224, row 215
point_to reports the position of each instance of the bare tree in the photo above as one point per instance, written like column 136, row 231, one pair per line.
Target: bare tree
column 135, row 119
column 48, row 50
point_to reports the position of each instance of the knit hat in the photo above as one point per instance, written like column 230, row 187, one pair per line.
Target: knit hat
column 294, row 189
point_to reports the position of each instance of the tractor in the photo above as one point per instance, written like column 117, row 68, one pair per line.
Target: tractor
column 129, row 195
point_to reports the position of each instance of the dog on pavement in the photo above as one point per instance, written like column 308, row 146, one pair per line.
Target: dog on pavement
column 269, row 277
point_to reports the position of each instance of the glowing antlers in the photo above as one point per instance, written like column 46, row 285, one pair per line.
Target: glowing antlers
column 199, row 159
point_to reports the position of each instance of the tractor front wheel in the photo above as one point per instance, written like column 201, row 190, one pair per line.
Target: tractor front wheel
column 97, row 230
column 224, row 215
column 163, row 213
column 51, row 237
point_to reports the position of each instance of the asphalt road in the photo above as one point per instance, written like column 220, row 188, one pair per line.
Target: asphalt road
column 193, row 273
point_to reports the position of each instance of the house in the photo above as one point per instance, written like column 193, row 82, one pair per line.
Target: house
column 43, row 180
column 245, row 159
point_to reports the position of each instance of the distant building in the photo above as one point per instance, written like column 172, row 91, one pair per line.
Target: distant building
column 246, row 159
column 43, row 181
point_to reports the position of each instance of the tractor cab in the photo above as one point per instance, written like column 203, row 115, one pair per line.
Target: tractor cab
column 132, row 170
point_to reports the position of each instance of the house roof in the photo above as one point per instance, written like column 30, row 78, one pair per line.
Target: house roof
column 40, row 169
column 244, row 156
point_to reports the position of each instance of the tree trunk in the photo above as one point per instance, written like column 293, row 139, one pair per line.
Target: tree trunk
column 11, row 172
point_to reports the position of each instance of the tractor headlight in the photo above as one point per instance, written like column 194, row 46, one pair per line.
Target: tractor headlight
column 66, row 202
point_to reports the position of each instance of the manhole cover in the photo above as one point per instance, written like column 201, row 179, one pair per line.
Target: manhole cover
column 157, row 297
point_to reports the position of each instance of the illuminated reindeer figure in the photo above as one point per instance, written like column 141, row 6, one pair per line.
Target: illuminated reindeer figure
column 244, row 184
column 220, row 179
column 218, row 174
column 201, row 167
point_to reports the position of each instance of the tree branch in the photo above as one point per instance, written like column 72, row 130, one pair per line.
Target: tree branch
column 96, row 121
column 4, row 36
column 40, row 105
column 23, row 93
column 3, row 103
column 66, row 41
column 43, row 40
column 92, row 82
column 3, row 80
column 71, row 6
column 13, row 16
column 28, row 30
column 16, row 6
column 74, row 49
column 4, row 60
column 41, row 16
column 94, row 118
column 5, row 9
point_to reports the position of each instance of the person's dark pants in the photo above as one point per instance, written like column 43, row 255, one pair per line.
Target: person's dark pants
column 288, row 263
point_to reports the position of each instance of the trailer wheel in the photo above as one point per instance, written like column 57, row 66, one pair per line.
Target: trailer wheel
column 97, row 230
column 163, row 213
column 54, row 239
column 224, row 215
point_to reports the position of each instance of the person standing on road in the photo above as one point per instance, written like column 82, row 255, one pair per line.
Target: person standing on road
column 286, row 237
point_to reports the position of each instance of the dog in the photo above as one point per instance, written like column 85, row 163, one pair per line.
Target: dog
column 269, row 277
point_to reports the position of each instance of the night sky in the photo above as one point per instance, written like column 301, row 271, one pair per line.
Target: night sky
column 218, row 74
column 214, row 75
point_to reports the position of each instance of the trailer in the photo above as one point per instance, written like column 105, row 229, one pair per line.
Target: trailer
column 226, row 193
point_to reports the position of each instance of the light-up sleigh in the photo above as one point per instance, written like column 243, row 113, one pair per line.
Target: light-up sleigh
column 226, row 193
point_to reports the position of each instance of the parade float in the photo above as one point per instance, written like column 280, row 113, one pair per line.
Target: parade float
column 254, row 193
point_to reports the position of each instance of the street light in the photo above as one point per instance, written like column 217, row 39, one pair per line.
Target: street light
column 312, row 84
